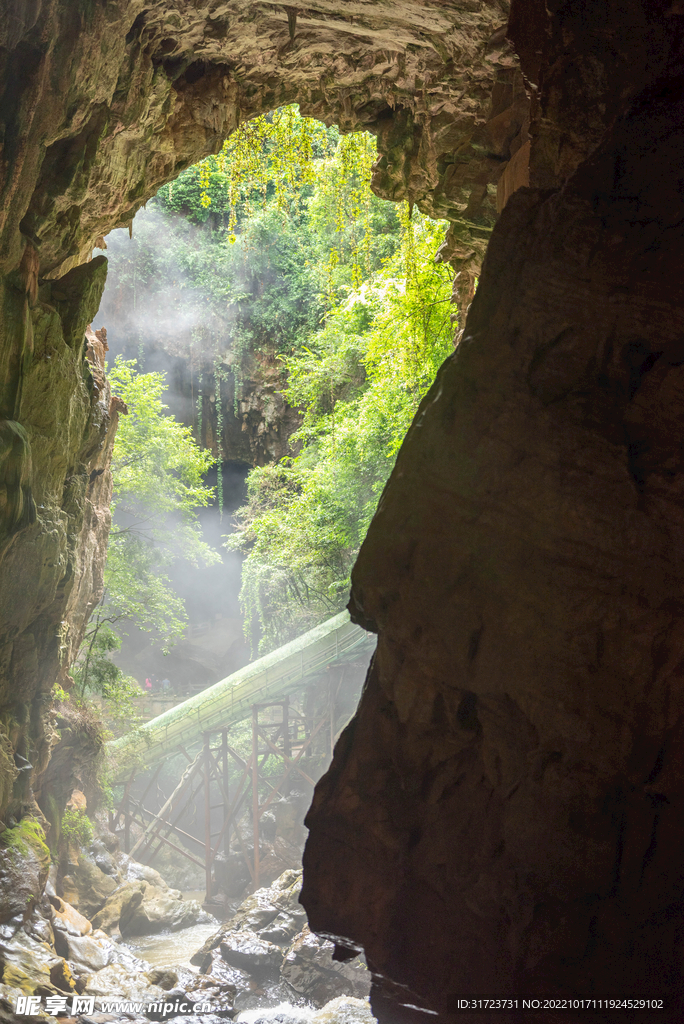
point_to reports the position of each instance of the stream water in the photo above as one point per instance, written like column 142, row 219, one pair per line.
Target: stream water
column 167, row 949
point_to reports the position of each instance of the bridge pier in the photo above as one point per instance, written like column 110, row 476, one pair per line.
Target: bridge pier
column 292, row 737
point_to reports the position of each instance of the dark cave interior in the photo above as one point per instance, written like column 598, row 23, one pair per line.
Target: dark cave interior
column 504, row 812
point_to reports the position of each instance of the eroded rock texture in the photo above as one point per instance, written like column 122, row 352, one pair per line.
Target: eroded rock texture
column 505, row 814
column 61, row 421
column 504, row 811
column 101, row 102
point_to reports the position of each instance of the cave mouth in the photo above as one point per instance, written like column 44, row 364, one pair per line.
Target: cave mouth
column 536, row 501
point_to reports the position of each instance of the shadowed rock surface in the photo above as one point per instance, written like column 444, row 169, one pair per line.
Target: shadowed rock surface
column 103, row 103
column 504, row 814
column 515, row 765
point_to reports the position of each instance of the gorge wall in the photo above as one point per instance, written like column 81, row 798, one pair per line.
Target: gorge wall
column 503, row 813
column 101, row 102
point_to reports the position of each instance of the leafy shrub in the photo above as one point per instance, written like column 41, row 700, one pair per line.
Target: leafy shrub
column 77, row 828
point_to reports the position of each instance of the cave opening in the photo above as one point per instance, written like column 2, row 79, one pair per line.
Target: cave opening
column 535, row 504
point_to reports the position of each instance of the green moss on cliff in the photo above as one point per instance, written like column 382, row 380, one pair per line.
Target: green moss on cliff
column 25, row 838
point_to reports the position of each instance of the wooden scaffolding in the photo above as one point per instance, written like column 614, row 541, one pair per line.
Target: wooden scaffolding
column 283, row 740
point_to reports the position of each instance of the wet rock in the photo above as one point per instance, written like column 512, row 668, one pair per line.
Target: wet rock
column 104, row 862
column 209, row 990
column 218, row 971
column 244, row 949
column 204, row 1018
column 344, row 1010
column 24, row 866
column 27, row 965
column 108, row 917
column 67, row 919
column 261, row 910
column 309, row 969
column 61, row 976
column 136, row 872
column 85, row 952
column 118, row 982
column 284, row 927
column 87, row 887
column 39, row 926
column 164, row 977
column 153, row 911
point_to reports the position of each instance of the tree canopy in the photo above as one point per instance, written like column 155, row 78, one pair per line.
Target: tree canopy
column 158, row 475
column 277, row 245
column 359, row 381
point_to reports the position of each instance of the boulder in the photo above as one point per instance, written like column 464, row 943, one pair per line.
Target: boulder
column 261, row 910
column 27, row 965
column 108, row 917
column 153, row 911
column 246, row 950
column 309, row 969
column 217, row 970
column 136, row 872
column 67, row 919
column 87, row 887
column 86, row 952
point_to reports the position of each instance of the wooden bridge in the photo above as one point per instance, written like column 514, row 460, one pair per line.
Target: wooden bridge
column 261, row 692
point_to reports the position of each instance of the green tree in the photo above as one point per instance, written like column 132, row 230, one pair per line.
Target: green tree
column 158, row 471
column 359, row 382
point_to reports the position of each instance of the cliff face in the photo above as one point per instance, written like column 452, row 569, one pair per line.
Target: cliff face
column 503, row 814
column 101, row 103
column 55, row 460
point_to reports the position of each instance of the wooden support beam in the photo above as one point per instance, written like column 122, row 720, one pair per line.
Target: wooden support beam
column 207, row 816
column 255, row 792
column 154, row 816
column 288, row 760
column 191, row 799
column 184, row 777
column 226, row 790
column 173, row 846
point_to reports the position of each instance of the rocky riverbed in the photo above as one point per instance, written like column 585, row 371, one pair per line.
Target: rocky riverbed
column 79, row 941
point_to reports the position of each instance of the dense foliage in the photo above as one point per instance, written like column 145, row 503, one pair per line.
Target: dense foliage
column 158, row 472
column 360, row 380
column 245, row 252
column 278, row 246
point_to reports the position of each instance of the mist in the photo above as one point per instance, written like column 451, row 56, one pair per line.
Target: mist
column 155, row 314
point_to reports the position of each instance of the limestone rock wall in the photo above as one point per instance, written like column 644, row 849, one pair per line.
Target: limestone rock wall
column 104, row 102
column 101, row 102
column 51, row 558
column 504, row 815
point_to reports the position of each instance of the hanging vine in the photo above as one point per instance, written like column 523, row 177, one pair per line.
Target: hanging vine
column 199, row 402
column 219, row 377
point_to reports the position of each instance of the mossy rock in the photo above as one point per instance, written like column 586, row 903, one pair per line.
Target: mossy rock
column 25, row 838
column 24, row 866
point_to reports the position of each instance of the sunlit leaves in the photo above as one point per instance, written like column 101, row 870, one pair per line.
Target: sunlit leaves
column 359, row 381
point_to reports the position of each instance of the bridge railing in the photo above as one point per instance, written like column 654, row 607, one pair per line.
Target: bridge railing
column 230, row 700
